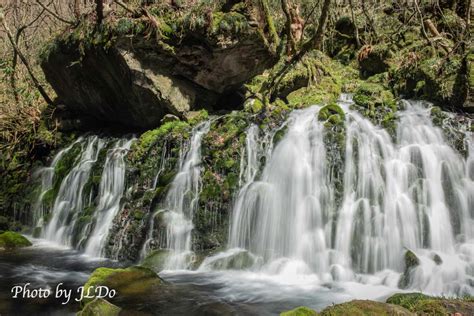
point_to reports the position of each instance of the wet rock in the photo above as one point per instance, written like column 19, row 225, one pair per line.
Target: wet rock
column 169, row 118
column 237, row 261
column 100, row 307
column 10, row 240
column 437, row 259
column 155, row 260
column 411, row 262
column 214, row 309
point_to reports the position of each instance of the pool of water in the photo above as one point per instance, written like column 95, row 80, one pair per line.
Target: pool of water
column 45, row 265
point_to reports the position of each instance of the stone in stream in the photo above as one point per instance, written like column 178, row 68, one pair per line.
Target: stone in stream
column 100, row 307
column 411, row 262
column 11, row 240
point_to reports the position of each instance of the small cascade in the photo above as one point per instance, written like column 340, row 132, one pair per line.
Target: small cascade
column 70, row 201
column 111, row 189
column 249, row 162
column 181, row 202
column 46, row 175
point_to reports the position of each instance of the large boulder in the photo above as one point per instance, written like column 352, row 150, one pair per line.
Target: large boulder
column 131, row 72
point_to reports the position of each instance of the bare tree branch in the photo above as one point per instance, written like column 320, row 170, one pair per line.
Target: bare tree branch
column 23, row 59
column 53, row 13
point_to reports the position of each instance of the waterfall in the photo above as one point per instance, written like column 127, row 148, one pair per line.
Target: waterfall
column 414, row 192
column 111, row 190
column 46, row 175
column 70, row 201
column 182, row 200
column 285, row 213
column 74, row 219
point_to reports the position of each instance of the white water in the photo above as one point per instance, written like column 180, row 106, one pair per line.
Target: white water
column 46, row 175
column 181, row 202
column 70, row 201
column 414, row 193
column 111, row 189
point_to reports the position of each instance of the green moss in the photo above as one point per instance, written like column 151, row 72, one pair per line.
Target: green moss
column 11, row 240
column 132, row 281
column 138, row 215
column 198, row 117
column 229, row 23
column 422, row 304
column 254, row 106
column 64, row 166
column 407, row 300
column 374, row 59
column 155, row 260
column 365, row 308
column 300, row 311
column 100, row 307
column 148, row 139
column 316, row 79
column 411, row 261
column 331, row 109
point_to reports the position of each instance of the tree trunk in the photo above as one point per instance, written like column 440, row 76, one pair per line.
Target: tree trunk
column 77, row 9
column 356, row 29
column 99, row 11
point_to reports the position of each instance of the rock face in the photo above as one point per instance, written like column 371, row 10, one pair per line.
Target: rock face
column 134, row 80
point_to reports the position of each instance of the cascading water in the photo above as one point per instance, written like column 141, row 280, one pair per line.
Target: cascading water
column 46, row 175
column 285, row 214
column 181, row 202
column 74, row 220
column 70, row 201
column 111, row 190
column 415, row 193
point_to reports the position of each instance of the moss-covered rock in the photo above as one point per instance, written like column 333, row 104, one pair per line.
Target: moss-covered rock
column 326, row 79
column 371, row 95
column 10, row 240
column 300, row 311
column 132, row 281
column 365, row 308
column 155, row 260
column 100, row 307
column 422, row 304
column 411, row 262
column 374, row 60
column 237, row 261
